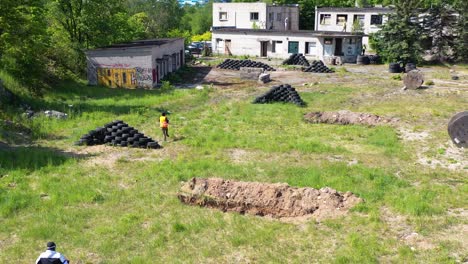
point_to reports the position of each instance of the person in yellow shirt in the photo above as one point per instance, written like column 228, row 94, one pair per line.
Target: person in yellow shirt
column 164, row 124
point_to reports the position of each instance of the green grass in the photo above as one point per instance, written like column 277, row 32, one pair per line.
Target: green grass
column 128, row 211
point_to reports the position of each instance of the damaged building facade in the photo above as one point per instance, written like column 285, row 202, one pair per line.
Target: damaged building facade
column 323, row 45
column 136, row 64
column 278, row 35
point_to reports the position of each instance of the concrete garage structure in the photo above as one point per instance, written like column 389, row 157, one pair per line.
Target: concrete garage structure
column 341, row 19
column 136, row 64
column 323, row 45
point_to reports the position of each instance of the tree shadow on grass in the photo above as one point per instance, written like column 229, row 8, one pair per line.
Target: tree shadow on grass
column 34, row 157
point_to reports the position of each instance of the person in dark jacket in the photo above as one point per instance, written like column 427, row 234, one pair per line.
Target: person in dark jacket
column 50, row 256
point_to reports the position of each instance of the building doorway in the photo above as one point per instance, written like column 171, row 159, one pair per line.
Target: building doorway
column 293, row 47
column 227, row 47
column 339, row 47
column 263, row 48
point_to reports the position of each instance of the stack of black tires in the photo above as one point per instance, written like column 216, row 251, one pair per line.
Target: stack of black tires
column 374, row 59
column 318, row 67
column 394, row 67
column 230, row 64
column 118, row 133
column 296, row 59
column 280, row 93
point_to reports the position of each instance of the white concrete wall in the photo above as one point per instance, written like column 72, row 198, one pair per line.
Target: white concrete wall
column 164, row 53
column 250, row 44
column 279, row 14
column 333, row 26
column 238, row 14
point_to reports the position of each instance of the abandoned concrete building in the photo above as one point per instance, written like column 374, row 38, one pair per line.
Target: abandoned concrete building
column 262, row 30
column 345, row 19
column 136, row 64
column 322, row 45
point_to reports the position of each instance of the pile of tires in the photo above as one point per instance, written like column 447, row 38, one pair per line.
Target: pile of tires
column 317, row 66
column 362, row 60
column 374, row 59
column 117, row 133
column 230, row 64
column 280, row 93
column 394, row 67
column 410, row 66
column 296, row 59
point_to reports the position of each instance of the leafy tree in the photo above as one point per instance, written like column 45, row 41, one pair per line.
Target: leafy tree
column 399, row 38
column 23, row 41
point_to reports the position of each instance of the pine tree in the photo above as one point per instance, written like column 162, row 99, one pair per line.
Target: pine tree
column 440, row 24
column 461, row 31
column 399, row 38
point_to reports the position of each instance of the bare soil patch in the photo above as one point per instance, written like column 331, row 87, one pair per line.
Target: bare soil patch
column 276, row 200
column 345, row 117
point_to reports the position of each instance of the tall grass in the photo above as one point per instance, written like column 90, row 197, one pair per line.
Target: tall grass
column 129, row 212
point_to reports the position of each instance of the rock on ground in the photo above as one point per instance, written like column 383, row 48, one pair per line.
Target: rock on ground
column 346, row 117
column 277, row 200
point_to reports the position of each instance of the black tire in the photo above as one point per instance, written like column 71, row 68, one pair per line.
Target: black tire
column 394, row 67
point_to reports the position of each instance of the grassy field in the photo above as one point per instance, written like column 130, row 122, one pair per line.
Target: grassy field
column 102, row 204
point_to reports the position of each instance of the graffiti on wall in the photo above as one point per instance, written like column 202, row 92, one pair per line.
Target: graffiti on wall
column 144, row 74
column 125, row 77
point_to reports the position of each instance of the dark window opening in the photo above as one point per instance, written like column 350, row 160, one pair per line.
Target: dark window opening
column 254, row 16
column 124, row 77
column 376, row 20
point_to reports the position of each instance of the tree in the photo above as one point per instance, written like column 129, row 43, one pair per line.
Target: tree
column 440, row 23
column 23, row 41
column 399, row 38
column 461, row 31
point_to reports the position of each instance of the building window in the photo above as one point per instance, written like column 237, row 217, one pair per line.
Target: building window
column 376, row 20
column 328, row 41
column 108, row 73
column 310, row 48
column 359, row 18
column 341, row 19
column 253, row 16
column 222, row 16
column 271, row 17
column 124, row 77
column 325, row 19
column 278, row 17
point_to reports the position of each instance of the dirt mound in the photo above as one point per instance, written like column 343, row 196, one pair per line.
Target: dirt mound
column 345, row 117
column 277, row 200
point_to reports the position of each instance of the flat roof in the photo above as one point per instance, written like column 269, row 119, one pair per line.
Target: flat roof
column 356, row 9
column 287, row 32
column 139, row 43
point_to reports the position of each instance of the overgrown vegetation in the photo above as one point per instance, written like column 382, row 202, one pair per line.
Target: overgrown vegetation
column 102, row 205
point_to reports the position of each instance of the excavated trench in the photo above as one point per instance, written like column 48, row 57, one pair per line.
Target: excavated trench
column 276, row 200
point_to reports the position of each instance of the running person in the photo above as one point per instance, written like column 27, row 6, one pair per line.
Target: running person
column 164, row 124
